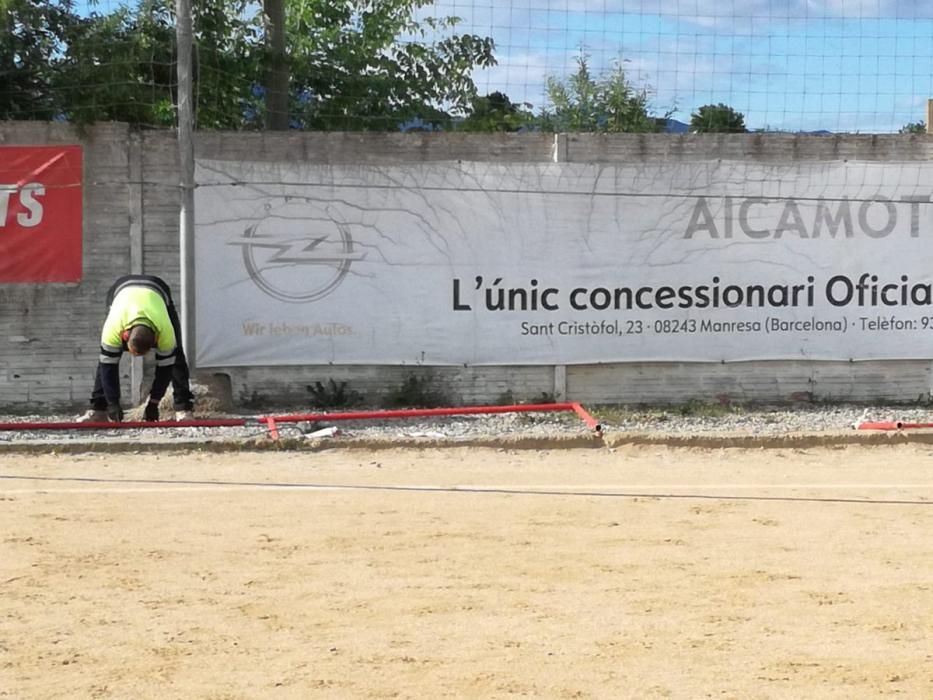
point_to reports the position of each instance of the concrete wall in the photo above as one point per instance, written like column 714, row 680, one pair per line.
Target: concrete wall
column 49, row 333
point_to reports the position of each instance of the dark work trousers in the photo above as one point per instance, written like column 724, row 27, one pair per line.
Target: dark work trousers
column 182, row 398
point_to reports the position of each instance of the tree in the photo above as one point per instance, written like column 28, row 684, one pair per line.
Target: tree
column 357, row 64
column 31, row 34
column 608, row 104
column 121, row 66
column 717, row 118
column 354, row 64
column 914, row 128
column 229, row 62
column 496, row 112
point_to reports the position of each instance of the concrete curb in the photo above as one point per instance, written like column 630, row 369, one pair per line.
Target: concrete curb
column 784, row 441
column 511, row 442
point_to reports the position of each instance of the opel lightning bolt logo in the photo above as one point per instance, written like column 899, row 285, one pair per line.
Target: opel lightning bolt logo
column 288, row 261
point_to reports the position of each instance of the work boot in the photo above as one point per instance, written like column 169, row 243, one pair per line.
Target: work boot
column 94, row 415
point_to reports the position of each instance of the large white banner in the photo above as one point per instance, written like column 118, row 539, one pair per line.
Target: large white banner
column 478, row 263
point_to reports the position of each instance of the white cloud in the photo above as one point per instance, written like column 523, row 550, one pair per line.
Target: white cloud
column 523, row 15
column 521, row 76
column 763, row 57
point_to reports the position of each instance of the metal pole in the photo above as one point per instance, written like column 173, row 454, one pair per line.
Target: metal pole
column 184, row 40
column 135, row 158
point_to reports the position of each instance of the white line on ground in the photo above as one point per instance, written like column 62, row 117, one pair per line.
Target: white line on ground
column 556, row 489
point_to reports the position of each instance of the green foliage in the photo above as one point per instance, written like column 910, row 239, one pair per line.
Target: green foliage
column 695, row 407
column 914, row 128
column 354, row 64
column 31, row 35
column 333, row 395
column 228, row 63
column 496, row 112
column 416, row 392
column 586, row 103
column 119, row 67
column 357, row 64
column 717, row 118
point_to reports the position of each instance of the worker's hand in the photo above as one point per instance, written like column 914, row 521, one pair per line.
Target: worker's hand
column 152, row 411
column 114, row 413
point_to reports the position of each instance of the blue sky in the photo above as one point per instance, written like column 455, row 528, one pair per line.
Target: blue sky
column 840, row 65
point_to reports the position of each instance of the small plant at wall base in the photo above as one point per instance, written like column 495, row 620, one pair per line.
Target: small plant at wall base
column 251, row 399
column 333, row 395
column 416, row 392
column 703, row 409
column 507, row 398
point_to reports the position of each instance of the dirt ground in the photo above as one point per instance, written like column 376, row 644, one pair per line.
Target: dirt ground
column 627, row 573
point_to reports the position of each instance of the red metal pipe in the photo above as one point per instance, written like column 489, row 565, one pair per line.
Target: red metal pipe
column 270, row 421
column 590, row 422
column 894, row 425
column 878, row 425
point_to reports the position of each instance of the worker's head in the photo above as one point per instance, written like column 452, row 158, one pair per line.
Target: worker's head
column 140, row 340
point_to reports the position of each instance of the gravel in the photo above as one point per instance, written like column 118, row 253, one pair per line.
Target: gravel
column 675, row 421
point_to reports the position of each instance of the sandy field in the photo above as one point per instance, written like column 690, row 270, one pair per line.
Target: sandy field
column 468, row 573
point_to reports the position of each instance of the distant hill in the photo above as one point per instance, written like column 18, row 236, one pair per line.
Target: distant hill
column 672, row 126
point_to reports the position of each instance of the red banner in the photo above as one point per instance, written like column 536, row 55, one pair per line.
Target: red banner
column 40, row 213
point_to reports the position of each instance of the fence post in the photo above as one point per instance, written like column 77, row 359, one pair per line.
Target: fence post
column 184, row 40
column 134, row 156
column 560, row 155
